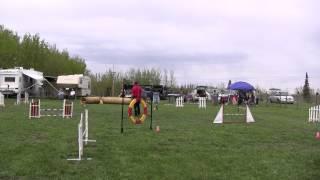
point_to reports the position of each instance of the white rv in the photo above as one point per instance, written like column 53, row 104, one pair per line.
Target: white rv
column 19, row 80
column 79, row 83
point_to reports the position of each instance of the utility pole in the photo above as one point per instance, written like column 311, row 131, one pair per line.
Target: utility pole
column 113, row 73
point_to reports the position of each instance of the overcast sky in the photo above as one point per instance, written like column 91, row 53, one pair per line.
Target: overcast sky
column 270, row 43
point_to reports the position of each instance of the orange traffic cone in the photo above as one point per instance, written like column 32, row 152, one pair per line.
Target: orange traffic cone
column 157, row 128
column 318, row 135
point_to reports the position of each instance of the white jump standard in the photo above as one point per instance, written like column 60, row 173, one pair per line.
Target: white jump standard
column 83, row 136
column 2, row 100
column 179, row 102
column 35, row 110
column 202, row 102
column 314, row 114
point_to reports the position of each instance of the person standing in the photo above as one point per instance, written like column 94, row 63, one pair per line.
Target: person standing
column 72, row 94
column 136, row 94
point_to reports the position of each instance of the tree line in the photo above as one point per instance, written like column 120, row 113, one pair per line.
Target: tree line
column 30, row 51
column 110, row 82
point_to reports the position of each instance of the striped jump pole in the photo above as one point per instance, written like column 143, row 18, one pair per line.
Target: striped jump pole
column 34, row 109
column 67, row 109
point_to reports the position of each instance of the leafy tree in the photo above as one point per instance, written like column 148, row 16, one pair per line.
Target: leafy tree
column 32, row 52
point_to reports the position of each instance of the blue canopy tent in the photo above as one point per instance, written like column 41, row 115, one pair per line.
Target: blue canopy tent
column 241, row 86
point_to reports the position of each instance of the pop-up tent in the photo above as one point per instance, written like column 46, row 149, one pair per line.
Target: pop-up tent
column 242, row 86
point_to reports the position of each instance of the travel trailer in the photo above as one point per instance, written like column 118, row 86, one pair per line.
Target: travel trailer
column 78, row 82
column 19, row 80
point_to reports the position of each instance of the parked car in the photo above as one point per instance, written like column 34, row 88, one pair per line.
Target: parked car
column 281, row 97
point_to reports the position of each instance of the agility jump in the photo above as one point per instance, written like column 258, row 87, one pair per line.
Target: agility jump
column 247, row 115
column 35, row 110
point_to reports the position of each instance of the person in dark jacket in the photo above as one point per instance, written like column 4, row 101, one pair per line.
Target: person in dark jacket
column 136, row 94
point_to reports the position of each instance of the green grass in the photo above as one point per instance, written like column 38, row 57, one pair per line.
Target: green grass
column 280, row 145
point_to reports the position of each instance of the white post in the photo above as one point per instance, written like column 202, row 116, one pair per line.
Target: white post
column 2, row 100
column 80, row 139
column 313, row 114
column 26, row 97
column 18, row 98
column 309, row 114
column 63, row 108
column 87, row 125
column 39, row 109
column 30, row 107
column 317, row 113
column 86, row 131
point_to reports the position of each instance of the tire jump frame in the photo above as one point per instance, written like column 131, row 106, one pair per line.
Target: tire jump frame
column 35, row 110
column 131, row 105
column 133, row 119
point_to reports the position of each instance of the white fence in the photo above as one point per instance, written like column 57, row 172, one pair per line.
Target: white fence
column 314, row 114
column 202, row 102
column 2, row 100
column 83, row 136
column 179, row 102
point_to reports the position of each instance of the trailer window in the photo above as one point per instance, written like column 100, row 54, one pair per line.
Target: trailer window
column 9, row 79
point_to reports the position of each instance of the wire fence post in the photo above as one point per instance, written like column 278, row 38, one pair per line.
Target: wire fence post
column 122, row 106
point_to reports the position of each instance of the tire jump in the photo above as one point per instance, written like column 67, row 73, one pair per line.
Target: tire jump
column 141, row 119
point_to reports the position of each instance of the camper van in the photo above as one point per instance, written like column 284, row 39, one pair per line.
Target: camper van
column 19, row 80
column 78, row 82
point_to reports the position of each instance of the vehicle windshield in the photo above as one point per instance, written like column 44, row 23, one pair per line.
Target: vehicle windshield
column 282, row 93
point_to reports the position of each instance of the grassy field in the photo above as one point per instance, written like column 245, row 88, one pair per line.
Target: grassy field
column 280, row 145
